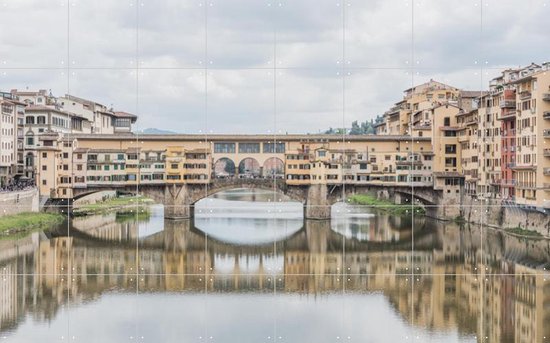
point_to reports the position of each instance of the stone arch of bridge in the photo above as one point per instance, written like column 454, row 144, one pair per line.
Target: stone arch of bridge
column 276, row 186
column 224, row 167
column 249, row 167
column 273, row 166
column 416, row 197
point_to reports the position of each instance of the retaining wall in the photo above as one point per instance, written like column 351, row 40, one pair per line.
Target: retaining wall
column 17, row 202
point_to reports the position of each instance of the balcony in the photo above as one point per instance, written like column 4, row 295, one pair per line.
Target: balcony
column 508, row 104
column 524, row 95
column 526, row 185
column 508, row 182
column 546, row 114
column 546, row 133
column 507, row 114
column 546, row 97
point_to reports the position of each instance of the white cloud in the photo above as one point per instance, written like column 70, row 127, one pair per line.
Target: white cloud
column 451, row 43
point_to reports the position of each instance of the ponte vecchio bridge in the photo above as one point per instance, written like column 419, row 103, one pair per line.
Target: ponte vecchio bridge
column 179, row 170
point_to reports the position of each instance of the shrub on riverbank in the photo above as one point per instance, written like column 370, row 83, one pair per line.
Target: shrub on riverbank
column 114, row 204
column 523, row 232
column 130, row 215
column 25, row 222
column 384, row 205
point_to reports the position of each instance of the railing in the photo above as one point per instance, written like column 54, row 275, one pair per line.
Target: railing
column 546, row 97
column 524, row 95
column 545, row 132
column 546, row 152
column 508, row 104
column 546, row 114
column 526, row 184
column 508, row 182
column 508, row 114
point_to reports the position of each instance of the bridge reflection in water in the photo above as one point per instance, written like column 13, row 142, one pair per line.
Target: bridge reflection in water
column 170, row 280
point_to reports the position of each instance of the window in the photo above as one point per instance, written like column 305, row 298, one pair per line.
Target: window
column 29, row 120
column 44, row 182
column 450, row 162
column 44, row 155
column 30, row 140
column 107, row 157
column 450, row 148
column 450, row 134
column 106, row 167
column 44, row 168
column 79, row 167
column 446, row 121
column 249, row 148
column 41, row 120
column 224, row 148
column 322, row 153
column 271, row 148
column 120, row 157
column 65, row 155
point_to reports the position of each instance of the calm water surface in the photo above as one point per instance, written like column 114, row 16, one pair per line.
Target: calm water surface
column 248, row 268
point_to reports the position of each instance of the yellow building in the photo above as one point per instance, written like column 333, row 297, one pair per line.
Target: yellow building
column 531, row 172
column 447, row 165
column 468, row 137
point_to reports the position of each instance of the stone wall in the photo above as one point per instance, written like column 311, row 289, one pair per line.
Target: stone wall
column 17, row 202
column 495, row 213
column 490, row 212
column 95, row 197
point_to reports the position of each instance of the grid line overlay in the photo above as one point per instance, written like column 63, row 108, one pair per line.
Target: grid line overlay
column 344, row 272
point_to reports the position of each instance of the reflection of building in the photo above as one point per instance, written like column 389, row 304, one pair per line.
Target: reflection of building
column 441, row 286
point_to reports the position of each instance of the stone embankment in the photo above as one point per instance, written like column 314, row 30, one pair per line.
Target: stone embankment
column 19, row 201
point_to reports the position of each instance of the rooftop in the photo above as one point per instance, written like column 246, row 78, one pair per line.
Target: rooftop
column 252, row 137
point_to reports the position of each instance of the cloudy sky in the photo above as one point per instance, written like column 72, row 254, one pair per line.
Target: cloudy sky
column 271, row 66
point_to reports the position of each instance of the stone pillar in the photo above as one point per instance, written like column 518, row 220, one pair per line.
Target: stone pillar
column 397, row 199
column 317, row 233
column 177, row 202
column 317, row 205
column 176, row 234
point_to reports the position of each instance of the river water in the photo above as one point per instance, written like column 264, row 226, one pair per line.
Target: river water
column 248, row 268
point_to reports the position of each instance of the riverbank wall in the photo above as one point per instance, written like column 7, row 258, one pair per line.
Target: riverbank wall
column 19, row 201
column 501, row 214
column 491, row 212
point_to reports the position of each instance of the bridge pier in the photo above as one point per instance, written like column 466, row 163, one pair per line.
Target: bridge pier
column 317, row 205
column 177, row 202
